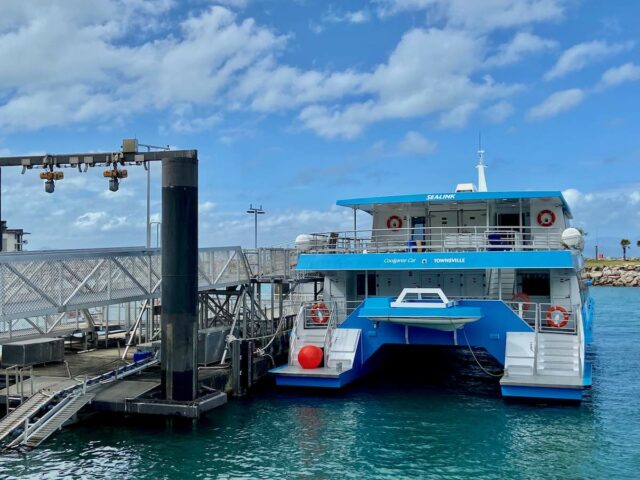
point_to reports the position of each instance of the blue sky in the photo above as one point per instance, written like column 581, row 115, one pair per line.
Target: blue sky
column 295, row 104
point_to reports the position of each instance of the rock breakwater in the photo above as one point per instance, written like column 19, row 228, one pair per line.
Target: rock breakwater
column 614, row 275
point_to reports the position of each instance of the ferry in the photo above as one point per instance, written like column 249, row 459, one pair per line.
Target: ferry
column 476, row 269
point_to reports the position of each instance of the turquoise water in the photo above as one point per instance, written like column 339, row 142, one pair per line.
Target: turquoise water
column 449, row 423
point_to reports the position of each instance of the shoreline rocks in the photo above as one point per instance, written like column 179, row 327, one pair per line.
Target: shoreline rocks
column 613, row 276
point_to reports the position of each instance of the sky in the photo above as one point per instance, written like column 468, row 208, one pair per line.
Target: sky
column 294, row 104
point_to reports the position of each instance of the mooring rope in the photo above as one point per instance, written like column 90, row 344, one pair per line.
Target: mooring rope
column 476, row 358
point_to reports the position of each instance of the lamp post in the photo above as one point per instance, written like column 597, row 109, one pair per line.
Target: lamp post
column 256, row 211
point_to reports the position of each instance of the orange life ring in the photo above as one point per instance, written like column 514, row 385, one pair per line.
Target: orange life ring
column 394, row 222
column 523, row 298
column 320, row 313
column 546, row 218
column 551, row 321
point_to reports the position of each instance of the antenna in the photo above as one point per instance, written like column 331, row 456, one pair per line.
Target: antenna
column 482, row 181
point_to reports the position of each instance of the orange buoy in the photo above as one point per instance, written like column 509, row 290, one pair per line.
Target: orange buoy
column 522, row 298
column 310, row 356
column 557, row 316
column 320, row 313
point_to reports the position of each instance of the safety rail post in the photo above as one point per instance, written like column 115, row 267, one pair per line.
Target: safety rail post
column 8, row 386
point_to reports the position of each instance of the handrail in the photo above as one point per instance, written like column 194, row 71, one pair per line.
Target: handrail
column 328, row 336
column 421, row 239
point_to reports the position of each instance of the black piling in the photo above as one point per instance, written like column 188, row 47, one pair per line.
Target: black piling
column 179, row 317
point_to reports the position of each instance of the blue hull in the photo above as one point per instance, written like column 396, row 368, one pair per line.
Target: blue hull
column 547, row 393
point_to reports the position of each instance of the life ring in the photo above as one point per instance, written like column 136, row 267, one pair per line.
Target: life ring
column 523, row 298
column 319, row 314
column 546, row 218
column 394, row 222
column 552, row 317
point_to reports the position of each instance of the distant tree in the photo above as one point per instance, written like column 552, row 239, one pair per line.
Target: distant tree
column 624, row 243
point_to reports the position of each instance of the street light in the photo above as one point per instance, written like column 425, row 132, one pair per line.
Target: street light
column 158, row 224
column 256, row 211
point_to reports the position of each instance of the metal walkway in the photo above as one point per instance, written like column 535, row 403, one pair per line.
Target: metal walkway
column 16, row 418
column 41, row 293
column 48, row 410
column 52, row 421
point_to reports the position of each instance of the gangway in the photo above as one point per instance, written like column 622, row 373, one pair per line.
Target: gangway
column 48, row 410
column 54, row 420
column 16, row 418
column 41, row 293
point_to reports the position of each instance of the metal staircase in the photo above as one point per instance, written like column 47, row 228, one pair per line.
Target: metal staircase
column 46, row 411
column 33, row 435
column 502, row 283
column 17, row 417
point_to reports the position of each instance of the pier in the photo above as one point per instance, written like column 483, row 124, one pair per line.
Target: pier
column 192, row 326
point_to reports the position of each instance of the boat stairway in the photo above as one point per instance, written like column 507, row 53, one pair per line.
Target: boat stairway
column 338, row 346
column 501, row 283
column 545, row 365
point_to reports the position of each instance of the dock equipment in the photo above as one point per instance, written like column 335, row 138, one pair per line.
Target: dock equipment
column 49, row 409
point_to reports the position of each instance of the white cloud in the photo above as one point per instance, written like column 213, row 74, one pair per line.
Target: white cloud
column 428, row 72
column 556, row 103
column 355, row 16
column 612, row 212
column 523, row 43
column 75, row 67
column 482, row 15
column 281, row 228
column 583, row 54
column 231, row 3
column 100, row 221
column 415, row 143
column 628, row 72
column 206, row 207
column 498, row 112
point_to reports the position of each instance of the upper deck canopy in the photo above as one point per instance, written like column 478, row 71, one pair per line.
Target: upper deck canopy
column 367, row 204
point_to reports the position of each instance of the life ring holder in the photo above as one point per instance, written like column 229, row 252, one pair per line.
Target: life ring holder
column 523, row 298
column 394, row 222
column 319, row 314
column 565, row 316
column 546, row 218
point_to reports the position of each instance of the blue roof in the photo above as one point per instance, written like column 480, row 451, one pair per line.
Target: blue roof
column 361, row 203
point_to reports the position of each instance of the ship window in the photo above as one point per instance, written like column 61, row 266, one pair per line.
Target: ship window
column 360, row 289
column 536, row 284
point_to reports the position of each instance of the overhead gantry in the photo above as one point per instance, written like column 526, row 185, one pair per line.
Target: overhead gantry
column 179, row 295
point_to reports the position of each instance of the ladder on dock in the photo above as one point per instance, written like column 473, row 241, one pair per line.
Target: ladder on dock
column 46, row 411
column 15, row 419
column 43, row 428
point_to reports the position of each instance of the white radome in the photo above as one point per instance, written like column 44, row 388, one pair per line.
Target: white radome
column 305, row 242
column 572, row 238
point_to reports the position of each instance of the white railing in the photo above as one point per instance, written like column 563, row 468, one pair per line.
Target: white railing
column 45, row 293
column 313, row 317
column 435, row 239
column 543, row 317
column 274, row 262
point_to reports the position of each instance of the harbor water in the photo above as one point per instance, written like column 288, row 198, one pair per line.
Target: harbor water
column 449, row 422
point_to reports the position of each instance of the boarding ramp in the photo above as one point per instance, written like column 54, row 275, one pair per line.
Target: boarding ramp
column 48, row 410
column 51, row 293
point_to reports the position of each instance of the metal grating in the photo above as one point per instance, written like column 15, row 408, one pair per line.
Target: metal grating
column 42, row 292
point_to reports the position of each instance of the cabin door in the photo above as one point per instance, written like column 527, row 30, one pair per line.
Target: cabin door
column 474, row 218
column 560, row 288
column 443, row 226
